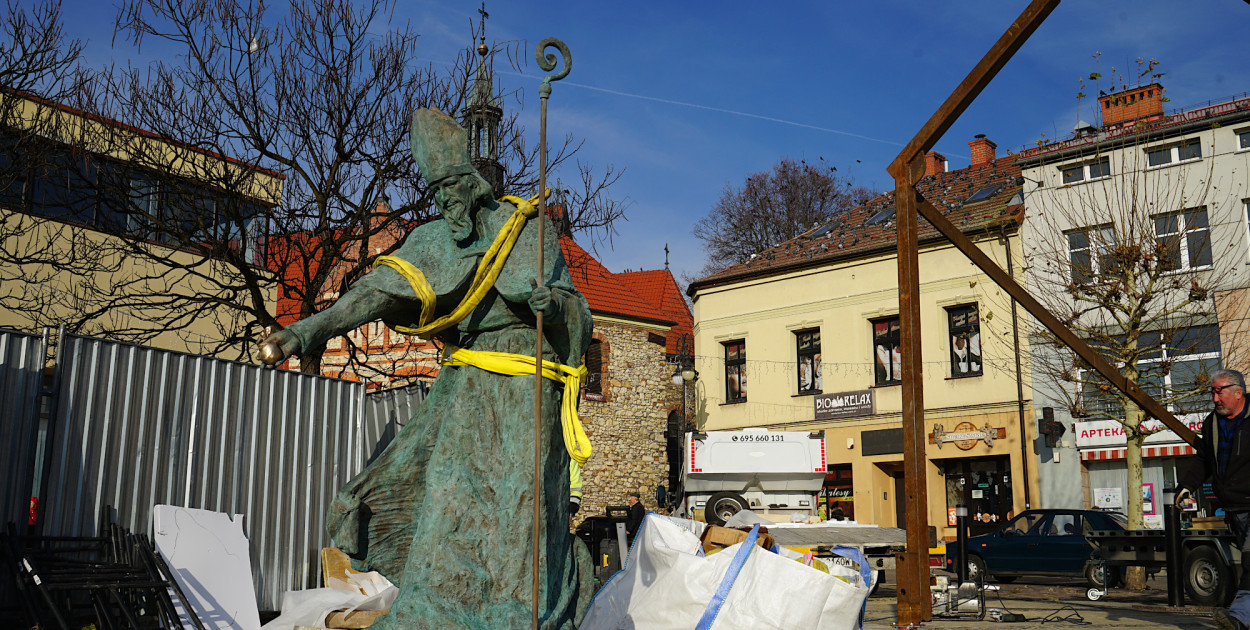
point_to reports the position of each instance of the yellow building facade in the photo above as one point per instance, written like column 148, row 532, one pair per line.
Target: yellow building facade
column 81, row 194
column 805, row 337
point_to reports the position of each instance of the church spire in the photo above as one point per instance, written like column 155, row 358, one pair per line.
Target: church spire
column 482, row 115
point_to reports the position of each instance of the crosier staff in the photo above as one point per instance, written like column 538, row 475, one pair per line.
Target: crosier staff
column 548, row 63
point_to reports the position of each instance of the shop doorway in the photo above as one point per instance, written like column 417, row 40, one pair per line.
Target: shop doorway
column 983, row 484
column 837, row 496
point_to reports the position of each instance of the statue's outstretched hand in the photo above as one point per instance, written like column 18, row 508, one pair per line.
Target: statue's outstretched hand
column 278, row 346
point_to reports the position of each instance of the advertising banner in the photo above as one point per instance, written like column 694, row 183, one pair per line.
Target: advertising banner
column 845, row 405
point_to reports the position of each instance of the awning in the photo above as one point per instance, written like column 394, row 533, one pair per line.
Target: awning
column 1171, row 450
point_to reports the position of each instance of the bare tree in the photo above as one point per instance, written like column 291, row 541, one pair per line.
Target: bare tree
column 268, row 158
column 773, row 207
column 1139, row 262
column 38, row 64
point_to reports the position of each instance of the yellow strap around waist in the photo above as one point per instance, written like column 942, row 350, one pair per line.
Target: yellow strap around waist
column 575, row 439
column 483, row 279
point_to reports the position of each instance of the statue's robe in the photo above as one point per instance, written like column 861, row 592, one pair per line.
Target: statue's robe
column 446, row 510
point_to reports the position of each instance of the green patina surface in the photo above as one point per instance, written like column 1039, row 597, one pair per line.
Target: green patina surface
column 446, row 510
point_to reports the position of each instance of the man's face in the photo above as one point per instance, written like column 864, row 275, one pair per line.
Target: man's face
column 632, row 499
column 1227, row 397
column 454, row 195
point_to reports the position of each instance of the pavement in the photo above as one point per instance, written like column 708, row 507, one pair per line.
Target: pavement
column 1054, row 604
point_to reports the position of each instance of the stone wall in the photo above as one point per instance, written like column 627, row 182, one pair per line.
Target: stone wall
column 626, row 425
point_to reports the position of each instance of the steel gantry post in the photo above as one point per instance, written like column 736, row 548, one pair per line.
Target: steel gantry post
column 913, row 575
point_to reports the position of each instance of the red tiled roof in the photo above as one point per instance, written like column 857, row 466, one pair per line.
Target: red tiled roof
column 660, row 288
column 604, row 290
column 870, row 228
column 1238, row 105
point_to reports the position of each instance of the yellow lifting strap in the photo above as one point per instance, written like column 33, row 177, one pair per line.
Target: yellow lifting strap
column 487, row 272
column 575, row 439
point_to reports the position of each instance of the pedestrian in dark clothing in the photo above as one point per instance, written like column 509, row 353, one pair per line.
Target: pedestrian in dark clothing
column 636, row 512
column 1223, row 452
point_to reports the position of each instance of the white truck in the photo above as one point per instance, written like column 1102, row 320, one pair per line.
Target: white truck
column 776, row 474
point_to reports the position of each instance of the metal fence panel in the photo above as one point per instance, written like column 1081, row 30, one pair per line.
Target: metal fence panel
column 136, row 427
column 21, row 373
column 386, row 412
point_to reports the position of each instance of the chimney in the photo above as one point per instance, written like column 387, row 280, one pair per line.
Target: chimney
column 934, row 163
column 1139, row 103
column 982, row 149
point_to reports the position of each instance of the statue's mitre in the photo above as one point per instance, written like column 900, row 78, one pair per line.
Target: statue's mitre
column 439, row 145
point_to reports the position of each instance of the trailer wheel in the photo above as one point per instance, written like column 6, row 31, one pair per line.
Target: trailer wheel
column 1208, row 581
column 723, row 505
column 1095, row 575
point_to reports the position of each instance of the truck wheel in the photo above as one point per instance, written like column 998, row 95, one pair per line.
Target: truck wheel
column 723, row 505
column 1208, row 581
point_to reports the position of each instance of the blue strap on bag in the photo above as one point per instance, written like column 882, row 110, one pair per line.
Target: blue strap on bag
column 865, row 572
column 722, row 591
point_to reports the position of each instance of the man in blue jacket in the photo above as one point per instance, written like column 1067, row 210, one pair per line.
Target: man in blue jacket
column 1223, row 452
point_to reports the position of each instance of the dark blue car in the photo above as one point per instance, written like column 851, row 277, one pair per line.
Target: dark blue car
column 1040, row 543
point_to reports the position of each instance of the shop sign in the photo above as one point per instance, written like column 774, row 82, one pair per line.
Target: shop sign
column 845, row 405
column 1105, row 433
column 965, row 435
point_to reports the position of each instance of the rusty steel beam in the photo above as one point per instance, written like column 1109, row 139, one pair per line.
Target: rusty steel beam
column 1035, row 308
column 913, row 584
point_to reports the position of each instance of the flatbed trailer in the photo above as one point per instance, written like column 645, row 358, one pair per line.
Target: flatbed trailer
column 1208, row 565
column 878, row 544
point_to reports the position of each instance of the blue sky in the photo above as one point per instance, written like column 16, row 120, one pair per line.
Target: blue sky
column 688, row 97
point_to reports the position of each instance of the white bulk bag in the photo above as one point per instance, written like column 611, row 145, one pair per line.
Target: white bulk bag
column 668, row 583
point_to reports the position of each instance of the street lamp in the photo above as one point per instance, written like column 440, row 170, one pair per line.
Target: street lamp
column 685, row 377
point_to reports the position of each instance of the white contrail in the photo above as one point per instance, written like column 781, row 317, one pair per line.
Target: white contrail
column 736, row 113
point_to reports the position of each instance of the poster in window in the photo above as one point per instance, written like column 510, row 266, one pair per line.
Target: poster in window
column 1147, row 498
column 887, row 353
column 965, row 328
column 1108, row 498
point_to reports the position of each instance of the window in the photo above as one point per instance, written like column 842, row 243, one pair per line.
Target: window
column 965, row 330
column 1243, row 139
column 1086, row 171
column 1187, row 150
column 808, row 344
column 887, row 354
column 983, row 194
column 145, row 207
column 735, row 371
column 1089, row 250
column 1184, row 239
column 1174, row 372
column 594, row 368
column 12, row 173
column 64, row 187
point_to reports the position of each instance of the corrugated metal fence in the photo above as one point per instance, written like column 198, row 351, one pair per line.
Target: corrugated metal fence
column 387, row 411
column 21, row 373
column 135, row 427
